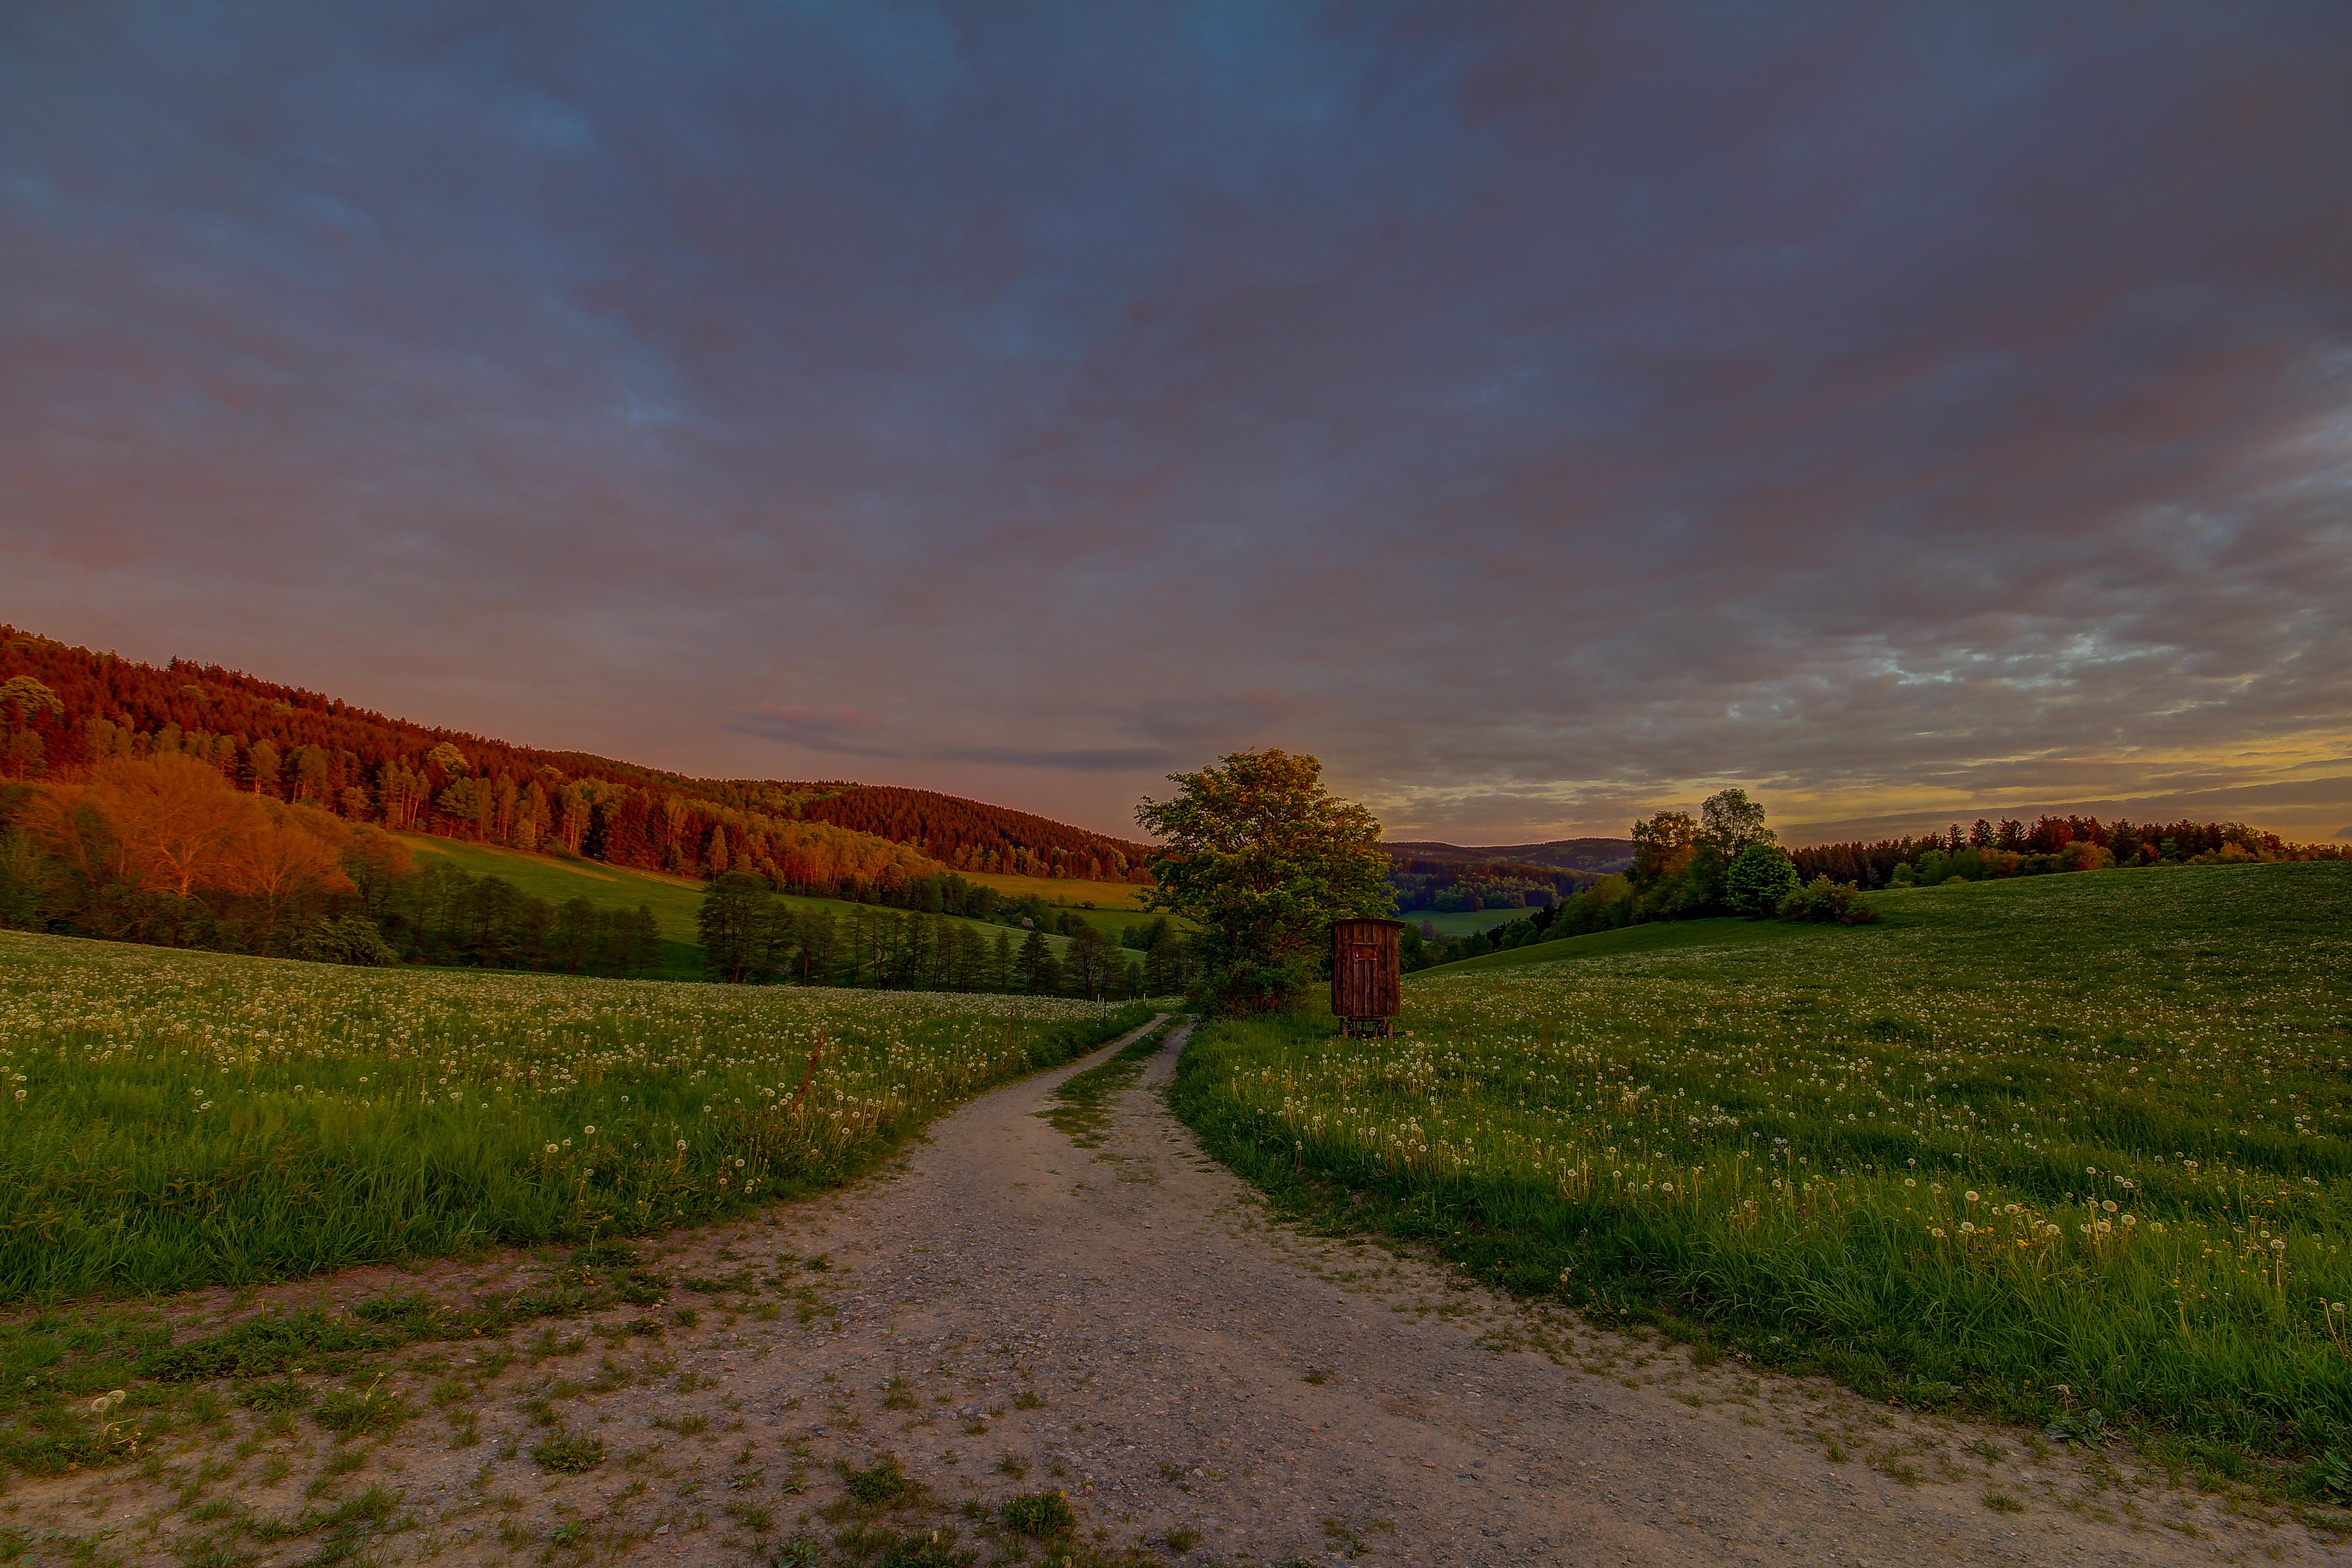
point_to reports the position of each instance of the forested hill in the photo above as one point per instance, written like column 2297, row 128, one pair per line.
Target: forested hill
column 1601, row 855
column 963, row 833
column 72, row 708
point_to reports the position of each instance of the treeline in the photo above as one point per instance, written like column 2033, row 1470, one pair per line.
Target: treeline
column 444, row 915
column 66, row 711
column 1421, row 882
column 1724, row 862
column 970, row 837
column 2011, row 847
column 749, row 935
column 164, row 850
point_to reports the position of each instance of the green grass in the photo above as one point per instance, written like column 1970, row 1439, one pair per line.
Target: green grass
column 1081, row 1108
column 2082, row 1133
column 180, row 1118
column 1117, row 905
column 1655, row 937
column 675, row 900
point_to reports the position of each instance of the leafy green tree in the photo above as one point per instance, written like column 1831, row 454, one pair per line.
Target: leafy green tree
column 1661, row 846
column 1263, row 859
column 1758, row 878
column 1730, row 822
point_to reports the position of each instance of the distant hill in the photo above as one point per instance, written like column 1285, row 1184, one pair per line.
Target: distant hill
column 970, row 836
column 306, row 747
column 1597, row 855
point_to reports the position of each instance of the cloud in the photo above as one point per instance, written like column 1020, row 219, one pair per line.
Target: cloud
column 835, row 731
column 1541, row 413
column 1112, row 759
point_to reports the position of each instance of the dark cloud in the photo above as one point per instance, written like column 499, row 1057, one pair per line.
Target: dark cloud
column 1107, row 760
column 1543, row 413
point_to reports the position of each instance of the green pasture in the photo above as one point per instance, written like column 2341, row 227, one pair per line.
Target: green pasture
column 1117, row 905
column 674, row 900
column 2067, row 1149
column 178, row 1118
column 1655, row 937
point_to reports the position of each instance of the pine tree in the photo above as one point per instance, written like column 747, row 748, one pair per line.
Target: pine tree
column 1037, row 970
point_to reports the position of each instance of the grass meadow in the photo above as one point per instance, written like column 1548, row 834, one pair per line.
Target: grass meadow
column 2068, row 1150
column 175, row 1119
column 675, row 900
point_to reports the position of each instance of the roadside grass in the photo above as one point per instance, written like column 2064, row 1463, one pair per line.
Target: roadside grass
column 1081, row 1109
column 2068, row 1150
column 178, row 1118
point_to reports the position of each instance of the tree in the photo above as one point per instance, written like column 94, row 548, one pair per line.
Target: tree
column 1759, row 879
column 167, row 825
column 24, row 700
column 1263, row 859
column 1038, row 972
column 1092, row 960
column 1661, row 845
column 1730, row 822
column 732, row 924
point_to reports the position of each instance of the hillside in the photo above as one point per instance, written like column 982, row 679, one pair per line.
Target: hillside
column 675, row 900
column 303, row 747
column 1601, row 855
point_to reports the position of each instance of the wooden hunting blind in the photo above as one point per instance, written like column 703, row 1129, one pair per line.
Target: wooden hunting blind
column 1366, row 975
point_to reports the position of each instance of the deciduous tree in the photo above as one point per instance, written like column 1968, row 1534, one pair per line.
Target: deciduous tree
column 1263, row 859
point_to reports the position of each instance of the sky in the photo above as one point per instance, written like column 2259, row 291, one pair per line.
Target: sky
column 1544, row 413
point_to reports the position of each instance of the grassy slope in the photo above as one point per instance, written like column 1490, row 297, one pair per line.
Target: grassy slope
column 1655, row 937
column 674, row 899
column 2171, row 1042
column 1117, row 905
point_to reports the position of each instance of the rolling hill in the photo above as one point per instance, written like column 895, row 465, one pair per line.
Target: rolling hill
column 1601, row 856
column 306, row 748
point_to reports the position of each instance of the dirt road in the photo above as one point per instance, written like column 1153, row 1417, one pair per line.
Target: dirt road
column 1017, row 1306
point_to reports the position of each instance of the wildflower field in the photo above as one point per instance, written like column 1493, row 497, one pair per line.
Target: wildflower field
column 174, row 1119
column 2065, row 1148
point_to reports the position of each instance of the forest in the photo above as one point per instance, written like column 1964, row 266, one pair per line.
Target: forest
column 67, row 711
column 194, row 807
column 1420, row 882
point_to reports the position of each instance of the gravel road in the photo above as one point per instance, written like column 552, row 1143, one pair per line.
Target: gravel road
column 1012, row 1307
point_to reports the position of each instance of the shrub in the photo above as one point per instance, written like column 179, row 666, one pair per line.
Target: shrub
column 1828, row 903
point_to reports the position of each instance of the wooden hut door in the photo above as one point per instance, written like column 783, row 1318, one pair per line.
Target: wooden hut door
column 1364, row 975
